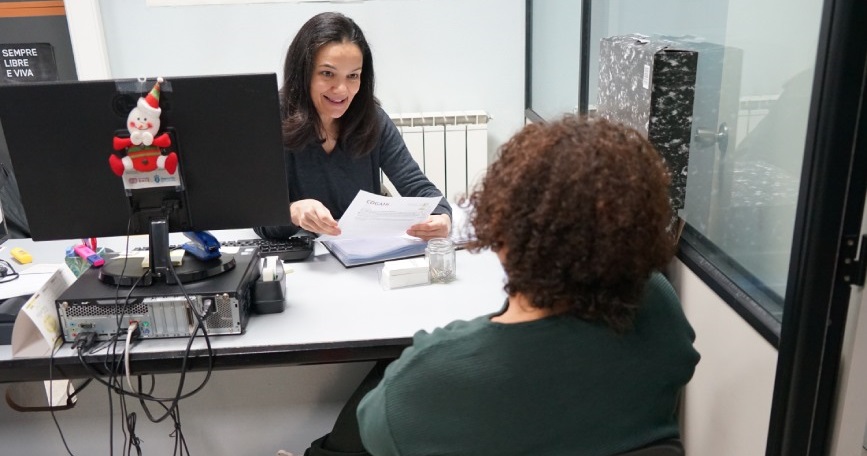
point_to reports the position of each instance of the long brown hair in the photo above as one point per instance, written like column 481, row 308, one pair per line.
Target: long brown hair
column 301, row 122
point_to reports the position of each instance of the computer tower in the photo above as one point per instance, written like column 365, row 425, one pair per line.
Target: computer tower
column 160, row 310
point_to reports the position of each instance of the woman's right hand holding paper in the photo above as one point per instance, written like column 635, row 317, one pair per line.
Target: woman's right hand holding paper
column 313, row 216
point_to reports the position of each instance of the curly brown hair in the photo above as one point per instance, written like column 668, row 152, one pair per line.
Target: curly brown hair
column 580, row 208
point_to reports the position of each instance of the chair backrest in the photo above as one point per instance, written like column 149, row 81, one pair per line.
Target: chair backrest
column 665, row 447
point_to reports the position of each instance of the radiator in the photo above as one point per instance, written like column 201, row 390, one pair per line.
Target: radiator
column 451, row 148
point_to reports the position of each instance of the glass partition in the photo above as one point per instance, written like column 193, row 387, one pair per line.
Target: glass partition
column 753, row 87
column 554, row 56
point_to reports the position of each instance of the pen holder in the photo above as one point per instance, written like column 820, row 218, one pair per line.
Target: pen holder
column 269, row 290
column 440, row 254
column 269, row 297
column 77, row 264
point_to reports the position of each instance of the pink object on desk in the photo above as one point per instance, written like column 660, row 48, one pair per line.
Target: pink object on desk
column 88, row 254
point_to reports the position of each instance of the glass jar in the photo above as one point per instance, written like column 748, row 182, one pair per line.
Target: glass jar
column 440, row 254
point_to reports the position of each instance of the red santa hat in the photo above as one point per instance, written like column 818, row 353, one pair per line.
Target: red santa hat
column 150, row 104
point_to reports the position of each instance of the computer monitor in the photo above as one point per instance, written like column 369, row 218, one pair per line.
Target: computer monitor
column 4, row 181
column 4, row 231
column 225, row 131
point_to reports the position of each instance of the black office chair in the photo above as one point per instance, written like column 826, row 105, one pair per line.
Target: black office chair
column 664, row 447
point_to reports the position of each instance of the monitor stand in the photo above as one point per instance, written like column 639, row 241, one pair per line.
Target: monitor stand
column 128, row 271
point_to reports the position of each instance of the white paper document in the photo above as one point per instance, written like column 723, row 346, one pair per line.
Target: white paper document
column 375, row 216
column 37, row 328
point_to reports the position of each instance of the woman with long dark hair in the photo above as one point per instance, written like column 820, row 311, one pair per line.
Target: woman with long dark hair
column 337, row 136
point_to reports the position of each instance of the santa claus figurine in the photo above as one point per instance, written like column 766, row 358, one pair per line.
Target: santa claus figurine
column 144, row 148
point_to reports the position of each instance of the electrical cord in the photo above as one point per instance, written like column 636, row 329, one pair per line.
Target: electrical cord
column 7, row 272
column 200, row 325
column 174, row 411
column 111, row 351
column 128, row 426
column 110, row 423
column 75, row 391
column 178, row 396
column 118, row 389
column 180, row 441
column 128, row 432
column 129, row 331
column 133, row 440
column 54, row 348
column 113, row 364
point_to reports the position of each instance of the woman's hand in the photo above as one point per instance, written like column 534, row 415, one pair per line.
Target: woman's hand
column 437, row 225
column 313, row 216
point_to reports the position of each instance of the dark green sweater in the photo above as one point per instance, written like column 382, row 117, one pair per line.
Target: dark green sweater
column 555, row 386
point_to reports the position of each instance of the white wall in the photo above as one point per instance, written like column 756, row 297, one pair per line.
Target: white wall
column 84, row 22
column 727, row 405
column 850, row 408
column 429, row 55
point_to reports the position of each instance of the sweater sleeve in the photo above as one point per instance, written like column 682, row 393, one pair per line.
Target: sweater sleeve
column 276, row 232
column 402, row 170
column 373, row 412
column 659, row 289
column 383, row 413
column 374, row 426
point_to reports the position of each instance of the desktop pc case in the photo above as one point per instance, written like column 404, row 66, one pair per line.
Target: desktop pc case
column 160, row 309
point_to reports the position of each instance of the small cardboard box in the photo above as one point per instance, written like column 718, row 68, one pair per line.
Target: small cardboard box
column 649, row 84
column 404, row 273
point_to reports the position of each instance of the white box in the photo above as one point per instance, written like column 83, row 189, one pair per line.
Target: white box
column 404, row 273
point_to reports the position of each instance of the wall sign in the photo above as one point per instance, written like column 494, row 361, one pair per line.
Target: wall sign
column 27, row 62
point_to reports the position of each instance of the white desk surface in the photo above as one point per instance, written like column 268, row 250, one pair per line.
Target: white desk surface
column 333, row 314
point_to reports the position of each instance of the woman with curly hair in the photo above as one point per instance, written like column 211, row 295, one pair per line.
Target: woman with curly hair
column 592, row 348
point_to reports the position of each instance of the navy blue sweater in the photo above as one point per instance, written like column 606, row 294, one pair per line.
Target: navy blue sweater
column 334, row 179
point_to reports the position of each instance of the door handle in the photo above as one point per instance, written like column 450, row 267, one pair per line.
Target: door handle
column 707, row 137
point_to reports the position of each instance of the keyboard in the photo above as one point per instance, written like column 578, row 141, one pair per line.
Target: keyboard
column 292, row 249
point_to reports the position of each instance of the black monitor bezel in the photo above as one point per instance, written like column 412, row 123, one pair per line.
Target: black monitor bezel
column 59, row 136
